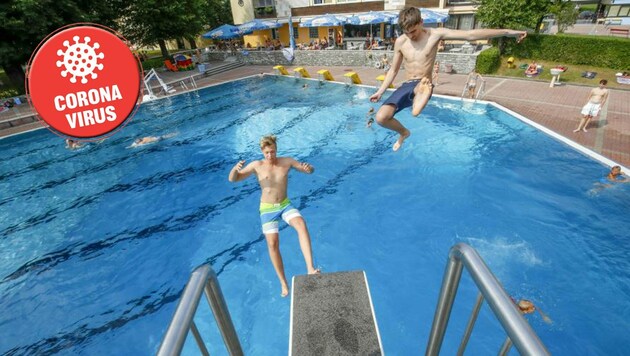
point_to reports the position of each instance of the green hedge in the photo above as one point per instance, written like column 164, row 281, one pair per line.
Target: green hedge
column 599, row 51
column 488, row 61
column 152, row 63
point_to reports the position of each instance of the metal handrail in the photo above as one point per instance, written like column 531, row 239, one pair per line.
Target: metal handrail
column 518, row 329
column 203, row 279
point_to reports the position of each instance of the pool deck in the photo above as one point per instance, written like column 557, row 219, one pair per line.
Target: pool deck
column 556, row 108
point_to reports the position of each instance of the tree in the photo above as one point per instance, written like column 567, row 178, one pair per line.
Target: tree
column 25, row 23
column 147, row 22
column 565, row 12
column 515, row 14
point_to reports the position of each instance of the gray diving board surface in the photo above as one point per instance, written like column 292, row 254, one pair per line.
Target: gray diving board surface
column 332, row 314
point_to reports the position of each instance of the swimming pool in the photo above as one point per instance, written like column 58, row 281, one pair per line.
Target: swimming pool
column 97, row 244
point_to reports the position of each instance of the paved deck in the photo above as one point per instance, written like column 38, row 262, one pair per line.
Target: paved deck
column 556, row 108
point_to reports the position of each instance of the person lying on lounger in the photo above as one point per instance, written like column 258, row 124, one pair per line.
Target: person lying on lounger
column 532, row 69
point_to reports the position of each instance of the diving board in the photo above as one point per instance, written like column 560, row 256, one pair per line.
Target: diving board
column 332, row 314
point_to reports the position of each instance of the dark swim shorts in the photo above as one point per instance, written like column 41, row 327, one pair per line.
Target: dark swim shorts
column 403, row 96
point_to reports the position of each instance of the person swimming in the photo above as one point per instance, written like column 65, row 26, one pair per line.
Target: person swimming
column 527, row 307
column 613, row 177
column 73, row 144
column 150, row 139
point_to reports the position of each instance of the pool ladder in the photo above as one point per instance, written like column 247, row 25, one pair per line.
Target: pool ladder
column 518, row 330
column 203, row 279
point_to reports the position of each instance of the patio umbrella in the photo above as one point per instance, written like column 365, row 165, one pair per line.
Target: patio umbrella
column 324, row 20
column 428, row 16
column 257, row 24
column 291, row 34
column 370, row 18
column 223, row 32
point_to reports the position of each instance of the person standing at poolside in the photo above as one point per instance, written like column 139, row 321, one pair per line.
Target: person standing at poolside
column 596, row 99
column 273, row 175
column 418, row 47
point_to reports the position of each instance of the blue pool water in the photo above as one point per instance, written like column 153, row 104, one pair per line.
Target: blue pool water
column 97, row 244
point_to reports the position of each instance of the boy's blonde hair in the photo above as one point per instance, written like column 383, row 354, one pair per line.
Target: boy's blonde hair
column 268, row 140
column 409, row 18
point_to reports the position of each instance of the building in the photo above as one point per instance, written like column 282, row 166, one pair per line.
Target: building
column 461, row 17
column 616, row 12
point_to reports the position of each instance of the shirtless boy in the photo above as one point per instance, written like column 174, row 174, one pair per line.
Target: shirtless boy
column 418, row 47
column 273, row 175
column 596, row 100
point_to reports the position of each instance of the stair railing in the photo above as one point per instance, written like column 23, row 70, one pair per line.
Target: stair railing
column 202, row 279
column 517, row 328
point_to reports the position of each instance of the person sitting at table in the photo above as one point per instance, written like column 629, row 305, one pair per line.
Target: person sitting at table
column 441, row 46
column 323, row 43
column 532, row 69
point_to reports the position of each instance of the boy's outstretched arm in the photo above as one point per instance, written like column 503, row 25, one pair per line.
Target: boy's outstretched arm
column 479, row 34
column 238, row 173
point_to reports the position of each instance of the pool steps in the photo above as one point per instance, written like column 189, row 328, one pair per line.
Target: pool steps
column 332, row 314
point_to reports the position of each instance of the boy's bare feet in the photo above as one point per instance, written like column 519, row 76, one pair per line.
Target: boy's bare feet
column 401, row 138
column 285, row 290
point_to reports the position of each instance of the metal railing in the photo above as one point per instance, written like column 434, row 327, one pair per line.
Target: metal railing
column 203, row 279
column 518, row 329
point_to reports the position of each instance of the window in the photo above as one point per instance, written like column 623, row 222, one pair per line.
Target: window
column 624, row 11
column 466, row 22
column 274, row 34
column 452, row 22
column 613, row 11
column 295, row 32
column 263, row 3
column 312, row 32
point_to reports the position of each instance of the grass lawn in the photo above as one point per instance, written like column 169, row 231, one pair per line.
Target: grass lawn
column 571, row 76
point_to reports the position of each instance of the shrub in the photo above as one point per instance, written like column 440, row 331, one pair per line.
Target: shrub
column 599, row 51
column 153, row 63
column 488, row 61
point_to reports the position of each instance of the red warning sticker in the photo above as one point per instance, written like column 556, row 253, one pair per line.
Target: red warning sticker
column 84, row 81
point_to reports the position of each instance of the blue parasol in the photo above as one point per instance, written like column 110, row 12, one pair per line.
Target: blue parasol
column 324, row 20
column 291, row 34
column 223, row 32
column 257, row 25
column 370, row 18
column 428, row 16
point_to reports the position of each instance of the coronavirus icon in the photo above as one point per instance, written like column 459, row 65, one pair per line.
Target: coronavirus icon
column 80, row 59
column 84, row 81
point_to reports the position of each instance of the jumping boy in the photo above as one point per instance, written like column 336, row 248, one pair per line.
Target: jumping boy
column 418, row 47
column 273, row 176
